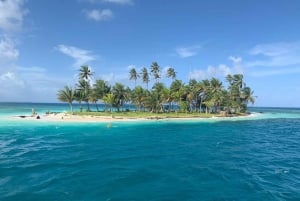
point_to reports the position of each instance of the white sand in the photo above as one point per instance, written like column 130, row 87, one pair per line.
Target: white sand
column 64, row 117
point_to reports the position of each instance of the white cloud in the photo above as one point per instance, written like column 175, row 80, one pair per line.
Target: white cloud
column 235, row 60
column 99, row 15
column 30, row 84
column 112, row 78
column 276, row 54
column 32, row 69
column 122, row 2
column 272, row 72
column 81, row 56
column 20, row 83
column 185, row 52
column 8, row 50
column 211, row 71
column 220, row 71
column 10, row 78
column 164, row 71
column 237, row 65
column 131, row 67
column 14, row 87
column 12, row 14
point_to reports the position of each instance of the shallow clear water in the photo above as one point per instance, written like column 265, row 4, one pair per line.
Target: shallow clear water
column 252, row 159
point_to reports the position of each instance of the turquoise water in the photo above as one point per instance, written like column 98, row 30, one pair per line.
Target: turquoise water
column 255, row 158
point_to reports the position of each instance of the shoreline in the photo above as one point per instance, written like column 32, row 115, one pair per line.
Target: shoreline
column 65, row 117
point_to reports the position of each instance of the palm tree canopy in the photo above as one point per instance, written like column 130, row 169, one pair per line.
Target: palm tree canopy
column 85, row 72
column 145, row 76
column 215, row 85
column 119, row 92
column 238, row 80
column 109, row 98
column 176, row 85
column 138, row 93
column 84, row 88
column 101, row 88
column 158, row 87
column 155, row 70
column 83, row 85
column 66, row 95
column 133, row 75
column 171, row 73
column 247, row 95
column 93, row 96
column 229, row 78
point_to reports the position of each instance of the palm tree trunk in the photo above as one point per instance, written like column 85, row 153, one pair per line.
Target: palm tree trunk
column 71, row 107
column 88, row 106
column 200, row 106
column 97, row 107
column 196, row 103
column 80, row 106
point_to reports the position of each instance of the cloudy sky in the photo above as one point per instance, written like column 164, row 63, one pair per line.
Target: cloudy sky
column 44, row 43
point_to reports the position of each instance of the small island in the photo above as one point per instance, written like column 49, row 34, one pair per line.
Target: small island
column 196, row 99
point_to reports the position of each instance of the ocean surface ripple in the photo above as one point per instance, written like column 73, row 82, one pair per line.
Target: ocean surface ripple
column 223, row 160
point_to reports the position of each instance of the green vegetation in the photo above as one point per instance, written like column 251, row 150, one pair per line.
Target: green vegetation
column 203, row 98
column 146, row 115
column 67, row 95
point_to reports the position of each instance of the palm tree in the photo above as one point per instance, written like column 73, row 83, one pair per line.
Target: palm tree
column 150, row 102
column 155, row 70
column 94, row 97
column 236, row 85
column 84, row 88
column 193, row 93
column 167, row 97
column 157, row 90
column 145, row 76
column 138, row 95
column 209, row 104
column 133, row 75
column 101, row 88
column 229, row 79
column 216, row 91
column 171, row 73
column 79, row 98
column 247, row 96
column 205, row 92
column 238, row 80
column 109, row 99
column 177, row 89
column 127, row 96
column 85, row 73
column 67, row 95
column 120, row 95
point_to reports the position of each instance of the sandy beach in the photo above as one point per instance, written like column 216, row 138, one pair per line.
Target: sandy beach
column 65, row 117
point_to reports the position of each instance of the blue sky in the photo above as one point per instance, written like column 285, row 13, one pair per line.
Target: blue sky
column 44, row 43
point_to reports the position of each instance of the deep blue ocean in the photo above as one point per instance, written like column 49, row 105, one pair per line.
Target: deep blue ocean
column 255, row 158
